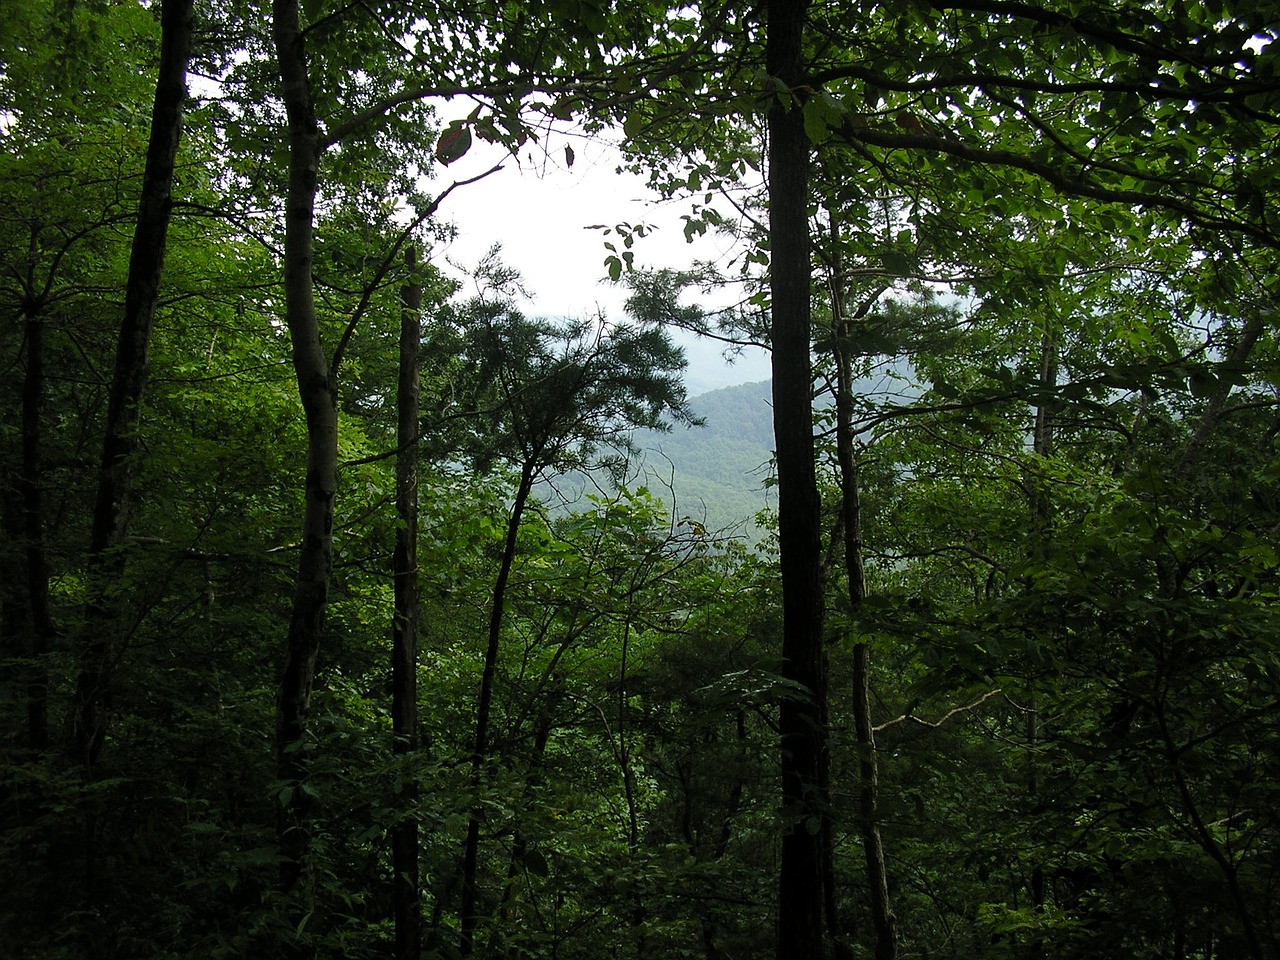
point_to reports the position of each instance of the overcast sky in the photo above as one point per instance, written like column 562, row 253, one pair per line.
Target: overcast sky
column 540, row 211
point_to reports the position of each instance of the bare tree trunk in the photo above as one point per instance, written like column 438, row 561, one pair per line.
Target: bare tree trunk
column 115, row 478
column 319, row 402
column 34, row 613
column 883, row 917
column 1042, row 520
column 480, row 752
column 406, row 896
column 800, row 929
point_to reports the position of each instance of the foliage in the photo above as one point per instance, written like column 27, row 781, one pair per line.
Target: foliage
column 1044, row 235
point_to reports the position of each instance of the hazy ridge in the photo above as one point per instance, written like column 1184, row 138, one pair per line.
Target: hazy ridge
column 714, row 474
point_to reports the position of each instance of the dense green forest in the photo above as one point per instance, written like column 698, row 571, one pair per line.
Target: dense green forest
column 298, row 660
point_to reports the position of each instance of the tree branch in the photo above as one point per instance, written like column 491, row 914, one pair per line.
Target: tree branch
column 909, row 716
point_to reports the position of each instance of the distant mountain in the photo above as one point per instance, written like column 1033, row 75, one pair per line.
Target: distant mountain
column 717, row 472
column 714, row 474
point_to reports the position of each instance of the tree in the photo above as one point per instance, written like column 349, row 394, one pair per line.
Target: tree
column 801, row 727
column 48, row 129
column 146, row 261
column 844, row 336
column 386, row 90
column 407, row 909
column 560, row 394
column 1058, row 624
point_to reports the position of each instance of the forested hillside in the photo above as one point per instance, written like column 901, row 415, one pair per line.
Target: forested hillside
column 720, row 472
column 715, row 474
column 295, row 661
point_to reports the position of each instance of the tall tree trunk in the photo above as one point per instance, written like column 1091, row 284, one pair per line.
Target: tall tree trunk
column 1192, row 460
column 623, row 754
column 319, row 402
column 407, row 911
column 480, row 752
column 508, row 914
column 1041, row 507
column 34, row 613
column 882, row 915
column 129, row 377
column 884, row 921
column 800, row 930
column 710, row 930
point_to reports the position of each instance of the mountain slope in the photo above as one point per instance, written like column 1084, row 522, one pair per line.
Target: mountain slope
column 714, row 474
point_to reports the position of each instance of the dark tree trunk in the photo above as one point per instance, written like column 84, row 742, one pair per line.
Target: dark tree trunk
column 115, row 478
column 33, row 613
column 508, row 914
column 14, row 640
column 480, row 752
column 319, row 402
column 1041, row 509
column 710, row 929
column 407, row 911
column 884, row 921
column 800, row 930
column 882, row 915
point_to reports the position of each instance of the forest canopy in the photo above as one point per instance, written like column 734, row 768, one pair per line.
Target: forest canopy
column 300, row 657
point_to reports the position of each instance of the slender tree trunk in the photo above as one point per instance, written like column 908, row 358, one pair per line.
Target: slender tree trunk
column 800, row 930
column 638, row 912
column 319, row 402
column 1202, row 834
column 1041, row 508
column 710, row 929
column 407, row 909
column 480, row 752
column 34, row 613
column 883, row 918
column 14, row 641
column 624, row 751
column 115, row 478
column 507, row 912
column 827, row 838
column 26, row 623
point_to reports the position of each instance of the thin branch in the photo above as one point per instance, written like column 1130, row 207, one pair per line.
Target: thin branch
column 1070, row 184
column 383, row 268
column 908, row 716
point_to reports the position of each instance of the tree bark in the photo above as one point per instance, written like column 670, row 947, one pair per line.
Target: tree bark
column 1041, row 509
column 480, row 751
column 129, row 377
column 34, row 613
column 800, row 930
column 319, row 402
column 882, row 915
column 406, row 896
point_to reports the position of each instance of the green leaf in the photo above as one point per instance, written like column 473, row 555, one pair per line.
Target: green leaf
column 897, row 263
column 815, row 121
column 1203, row 383
column 634, row 125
